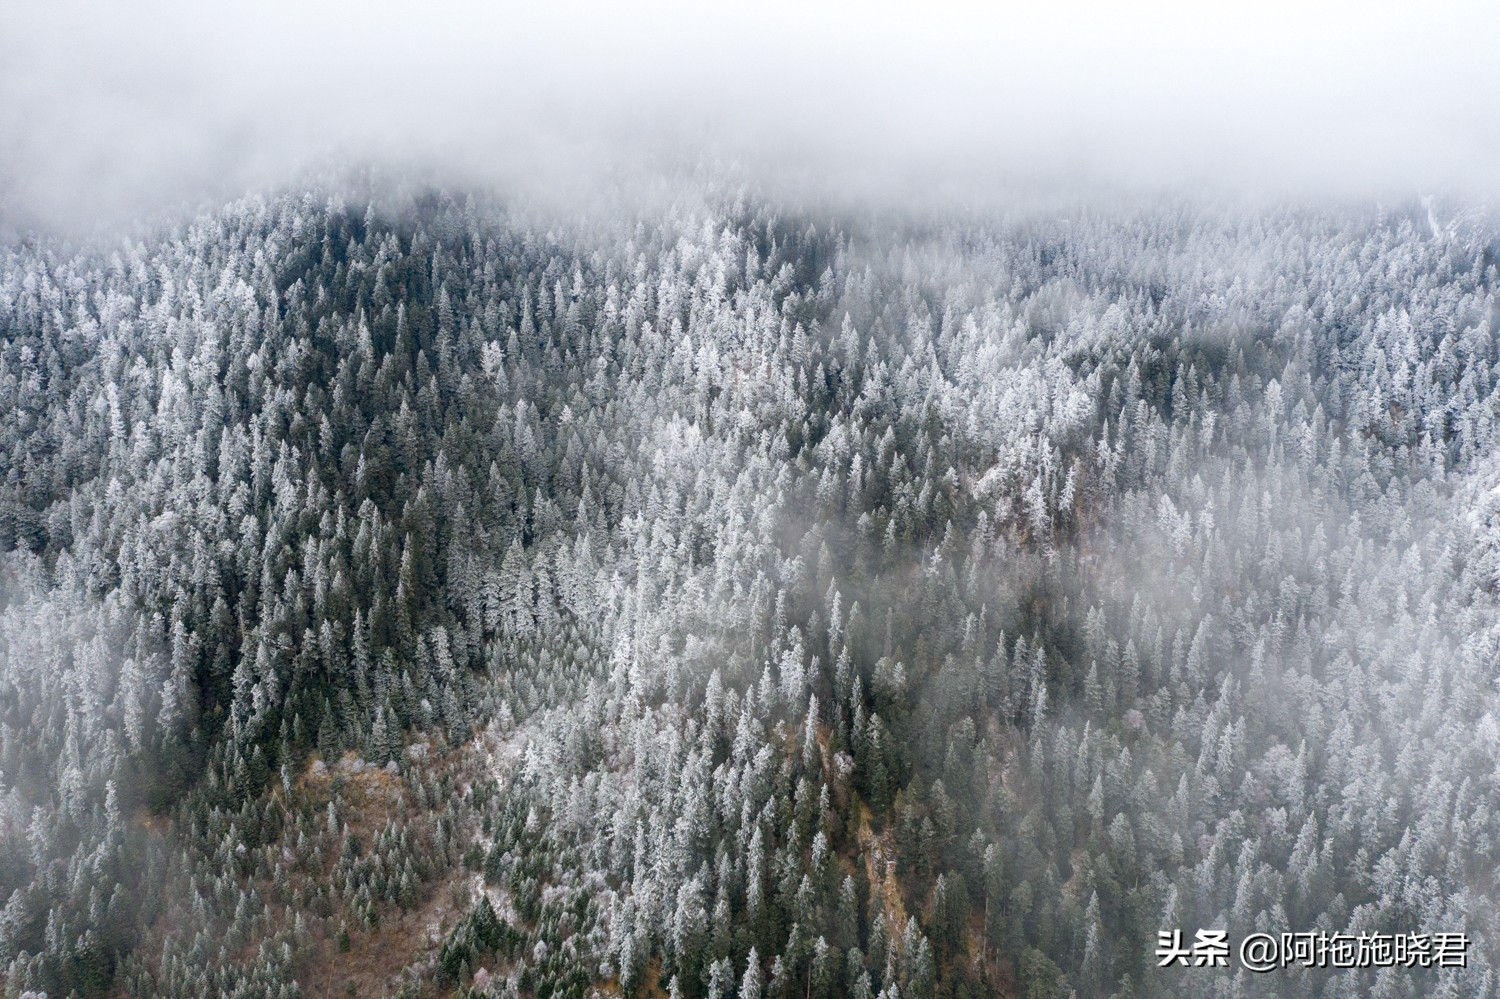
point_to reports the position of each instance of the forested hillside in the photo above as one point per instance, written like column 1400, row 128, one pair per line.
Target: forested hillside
column 413, row 596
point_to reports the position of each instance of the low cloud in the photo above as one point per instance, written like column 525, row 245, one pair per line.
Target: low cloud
column 109, row 111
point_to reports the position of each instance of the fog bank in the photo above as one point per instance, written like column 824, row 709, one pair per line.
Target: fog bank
column 107, row 112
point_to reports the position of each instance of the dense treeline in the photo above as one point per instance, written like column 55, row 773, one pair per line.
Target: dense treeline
column 731, row 604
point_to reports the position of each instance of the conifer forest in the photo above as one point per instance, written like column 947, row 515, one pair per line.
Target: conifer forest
column 420, row 595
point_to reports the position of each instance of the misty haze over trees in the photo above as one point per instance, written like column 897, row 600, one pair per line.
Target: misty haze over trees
column 421, row 595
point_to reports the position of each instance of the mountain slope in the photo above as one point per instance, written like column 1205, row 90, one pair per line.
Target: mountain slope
column 727, row 603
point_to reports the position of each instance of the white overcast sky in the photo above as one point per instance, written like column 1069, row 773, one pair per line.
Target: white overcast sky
column 108, row 110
